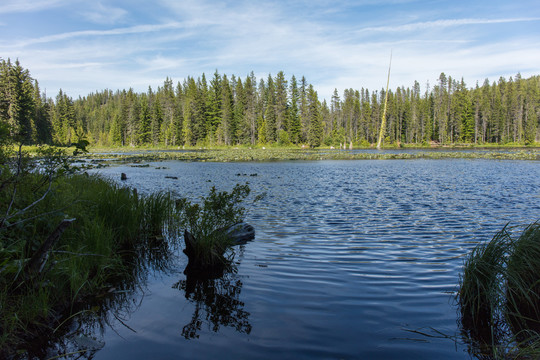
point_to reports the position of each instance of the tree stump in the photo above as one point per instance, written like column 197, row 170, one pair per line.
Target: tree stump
column 212, row 263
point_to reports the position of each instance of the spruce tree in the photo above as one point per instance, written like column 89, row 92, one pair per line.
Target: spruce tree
column 294, row 117
column 145, row 127
column 315, row 131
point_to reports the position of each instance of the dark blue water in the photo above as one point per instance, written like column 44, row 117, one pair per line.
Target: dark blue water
column 351, row 260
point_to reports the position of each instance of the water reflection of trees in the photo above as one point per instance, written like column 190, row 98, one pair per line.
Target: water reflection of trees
column 217, row 303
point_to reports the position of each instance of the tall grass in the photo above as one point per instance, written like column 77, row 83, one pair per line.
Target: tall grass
column 114, row 229
column 499, row 295
column 523, row 281
column 481, row 288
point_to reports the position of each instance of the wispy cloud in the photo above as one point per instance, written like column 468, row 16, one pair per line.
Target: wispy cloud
column 334, row 44
column 138, row 29
column 22, row 6
column 101, row 14
column 443, row 24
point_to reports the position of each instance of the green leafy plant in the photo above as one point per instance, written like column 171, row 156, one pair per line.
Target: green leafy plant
column 206, row 222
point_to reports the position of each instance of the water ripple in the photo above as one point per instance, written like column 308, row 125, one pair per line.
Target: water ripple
column 347, row 254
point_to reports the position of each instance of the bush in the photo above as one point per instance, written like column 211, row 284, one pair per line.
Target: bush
column 206, row 222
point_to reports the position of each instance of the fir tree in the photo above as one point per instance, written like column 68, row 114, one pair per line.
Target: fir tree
column 294, row 118
column 315, row 132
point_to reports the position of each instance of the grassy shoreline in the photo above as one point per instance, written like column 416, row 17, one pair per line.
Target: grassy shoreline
column 280, row 154
column 292, row 153
column 106, row 246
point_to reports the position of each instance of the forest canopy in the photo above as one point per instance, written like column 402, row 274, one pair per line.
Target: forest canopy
column 233, row 111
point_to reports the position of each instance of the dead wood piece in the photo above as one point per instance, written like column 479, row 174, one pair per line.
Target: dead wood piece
column 37, row 261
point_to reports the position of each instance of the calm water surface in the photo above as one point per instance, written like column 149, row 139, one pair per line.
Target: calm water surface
column 351, row 259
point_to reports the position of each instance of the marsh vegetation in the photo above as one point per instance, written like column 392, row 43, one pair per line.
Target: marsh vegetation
column 499, row 295
column 70, row 241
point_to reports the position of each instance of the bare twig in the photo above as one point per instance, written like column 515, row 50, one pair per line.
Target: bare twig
column 22, row 211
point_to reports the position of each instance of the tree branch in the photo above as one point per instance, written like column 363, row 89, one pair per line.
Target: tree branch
column 36, row 263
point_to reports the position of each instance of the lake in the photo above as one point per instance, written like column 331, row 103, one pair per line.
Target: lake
column 351, row 260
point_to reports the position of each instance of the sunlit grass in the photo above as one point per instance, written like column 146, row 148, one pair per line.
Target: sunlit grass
column 280, row 154
column 499, row 296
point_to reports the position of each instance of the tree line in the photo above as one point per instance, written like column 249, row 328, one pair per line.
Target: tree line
column 231, row 111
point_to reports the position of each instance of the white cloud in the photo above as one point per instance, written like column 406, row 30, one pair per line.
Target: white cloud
column 101, row 14
column 22, row 6
column 201, row 36
column 443, row 24
column 138, row 29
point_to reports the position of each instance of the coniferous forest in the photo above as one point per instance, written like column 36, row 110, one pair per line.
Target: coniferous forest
column 223, row 110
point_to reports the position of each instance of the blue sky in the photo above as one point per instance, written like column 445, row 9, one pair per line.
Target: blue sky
column 85, row 46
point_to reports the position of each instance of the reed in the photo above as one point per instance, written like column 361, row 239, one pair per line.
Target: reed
column 102, row 248
column 480, row 287
column 499, row 295
column 523, row 281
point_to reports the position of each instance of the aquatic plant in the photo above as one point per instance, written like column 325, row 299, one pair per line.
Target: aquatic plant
column 205, row 225
column 523, row 281
column 499, row 295
column 288, row 154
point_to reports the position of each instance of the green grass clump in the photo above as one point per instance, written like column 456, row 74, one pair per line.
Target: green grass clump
column 480, row 287
column 499, row 296
column 523, row 280
column 207, row 220
column 114, row 231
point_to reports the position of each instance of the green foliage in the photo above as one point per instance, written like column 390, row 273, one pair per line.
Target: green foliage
column 283, row 138
column 113, row 231
column 207, row 220
column 499, row 295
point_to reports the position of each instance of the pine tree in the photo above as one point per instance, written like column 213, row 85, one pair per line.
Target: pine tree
column 226, row 127
column 145, row 127
column 17, row 107
column 213, row 107
column 156, row 121
column 241, row 128
column 281, row 106
column 315, row 132
column 250, row 117
column 294, row 118
column 63, row 119
column 304, row 120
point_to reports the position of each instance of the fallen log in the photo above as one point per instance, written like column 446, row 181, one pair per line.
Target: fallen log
column 37, row 261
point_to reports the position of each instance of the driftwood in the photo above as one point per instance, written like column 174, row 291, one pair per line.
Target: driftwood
column 213, row 263
column 37, row 261
column 240, row 233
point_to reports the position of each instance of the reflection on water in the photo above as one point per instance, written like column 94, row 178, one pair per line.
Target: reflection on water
column 348, row 254
column 216, row 299
column 216, row 302
column 80, row 336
